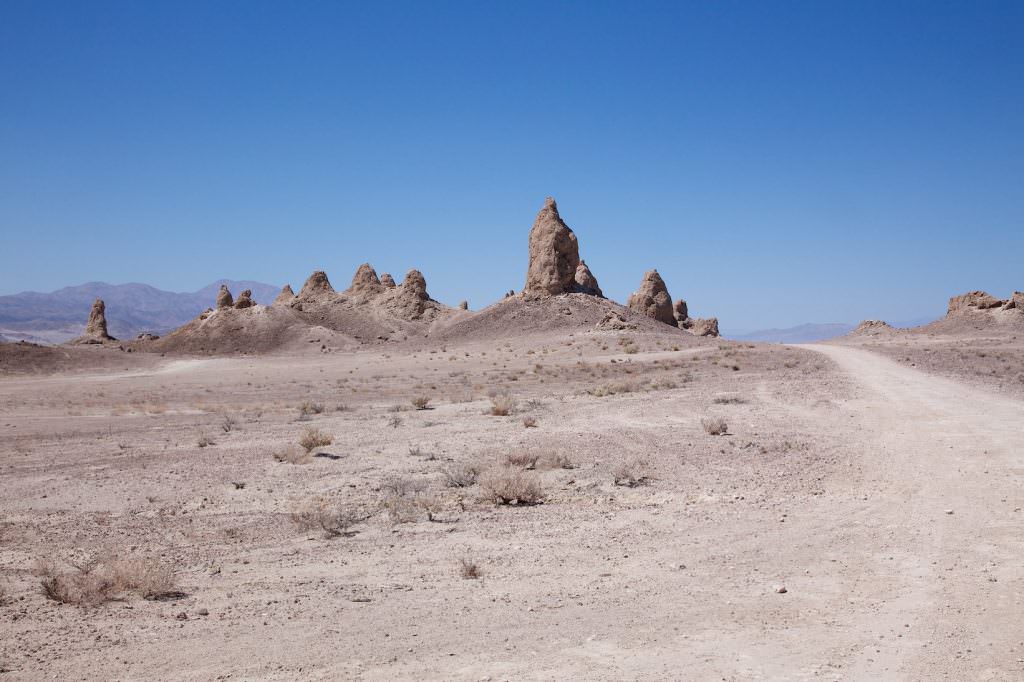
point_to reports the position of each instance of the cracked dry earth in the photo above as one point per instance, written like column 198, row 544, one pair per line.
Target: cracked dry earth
column 886, row 501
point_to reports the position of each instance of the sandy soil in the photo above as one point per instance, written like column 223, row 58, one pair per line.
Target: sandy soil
column 886, row 501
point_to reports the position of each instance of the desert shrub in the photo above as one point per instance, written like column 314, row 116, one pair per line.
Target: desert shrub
column 331, row 517
column 308, row 408
column 227, row 423
column 630, row 473
column 292, row 455
column 509, row 485
column 613, row 389
column 461, row 475
column 714, row 426
column 530, row 422
column 421, row 402
column 523, row 460
column 502, row 405
column 405, row 499
column 469, row 569
column 312, row 439
column 560, row 460
column 394, row 421
column 96, row 581
column 729, row 400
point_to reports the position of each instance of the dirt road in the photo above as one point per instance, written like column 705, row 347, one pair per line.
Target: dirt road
column 943, row 533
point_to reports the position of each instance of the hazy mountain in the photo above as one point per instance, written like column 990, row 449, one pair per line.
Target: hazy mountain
column 58, row 316
column 803, row 333
column 806, row 333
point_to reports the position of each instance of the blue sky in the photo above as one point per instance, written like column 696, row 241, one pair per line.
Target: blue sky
column 778, row 162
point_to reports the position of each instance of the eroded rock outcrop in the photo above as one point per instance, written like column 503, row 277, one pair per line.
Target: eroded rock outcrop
column 554, row 254
column 681, row 313
column 972, row 300
column 316, row 286
column 365, row 281
column 463, row 305
column 224, row 298
column 96, row 325
column 286, row 296
column 652, row 299
column 703, row 326
column 586, row 283
column 387, row 280
column 244, row 300
column 872, row 327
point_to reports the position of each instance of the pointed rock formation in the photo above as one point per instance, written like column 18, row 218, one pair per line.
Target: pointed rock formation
column 224, row 299
column 387, row 280
column 316, row 286
column 411, row 298
column 680, row 312
column 1018, row 300
column 463, row 305
column 652, row 299
column 365, row 280
column 586, row 283
column 245, row 300
column 554, row 254
column 96, row 327
column 285, row 297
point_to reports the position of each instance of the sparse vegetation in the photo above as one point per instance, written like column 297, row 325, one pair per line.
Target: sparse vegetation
column 227, row 423
column 530, row 422
column 729, row 400
column 560, row 460
column 714, row 426
column 292, row 455
column 511, row 486
column 502, row 405
column 469, row 569
column 311, row 439
column 421, row 402
column 394, row 421
column 309, row 408
column 630, row 473
column 461, row 475
column 331, row 517
column 95, row 581
column 205, row 441
column 521, row 459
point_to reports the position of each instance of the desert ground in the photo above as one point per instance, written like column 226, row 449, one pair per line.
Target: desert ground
column 550, row 506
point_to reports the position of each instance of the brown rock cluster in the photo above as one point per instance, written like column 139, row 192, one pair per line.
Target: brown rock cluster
column 244, row 300
column 586, row 283
column 652, row 300
column 285, row 297
column 977, row 300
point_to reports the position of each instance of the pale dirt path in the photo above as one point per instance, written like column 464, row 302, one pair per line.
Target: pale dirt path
column 940, row 446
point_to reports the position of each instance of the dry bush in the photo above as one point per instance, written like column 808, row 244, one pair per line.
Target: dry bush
column 204, row 441
column 227, row 423
column 421, row 402
column 530, row 422
column 312, row 439
column 331, row 517
column 405, row 499
column 292, row 455
column 523, row 460
column 461, row 475
column 613, row 389
column 630, row 474
column 394, row 421
column 560, row 460
column 508, row 485
column 469, row 569
column 97, row 581
column 729, row 400
column 714, row 426
column 309, row 408
column 502, row 405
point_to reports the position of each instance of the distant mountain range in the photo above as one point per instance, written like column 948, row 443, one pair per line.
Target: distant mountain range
column 807, row 333
column 131, row 309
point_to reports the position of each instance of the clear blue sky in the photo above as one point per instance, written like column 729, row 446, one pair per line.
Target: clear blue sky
column 778, row 162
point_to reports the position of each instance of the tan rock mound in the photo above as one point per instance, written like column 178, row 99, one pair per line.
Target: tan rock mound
column 873, row 327
column 972, row 300
column 317, row 286
column 387, row 280
column 613, row 320
column 1016, row 301
column 704, row 326
column 411, row 298
column 554, row 254
column 586, row 283
column 224, row 298
column 244, row 300
column 286, row 296
column 652, row 299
